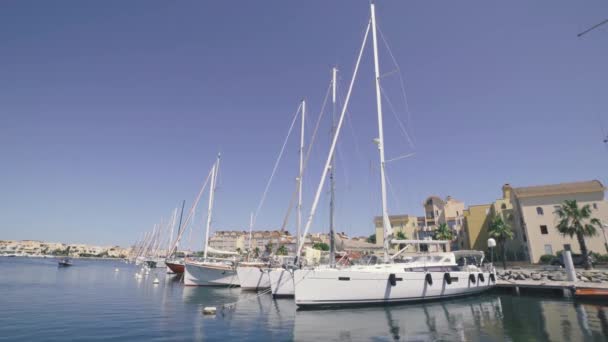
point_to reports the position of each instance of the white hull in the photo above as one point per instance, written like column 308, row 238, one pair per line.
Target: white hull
column 209, row 274
column 252, row 278
column 281, row 282
column 372, row 285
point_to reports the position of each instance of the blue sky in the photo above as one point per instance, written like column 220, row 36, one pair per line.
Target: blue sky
column 112, row 112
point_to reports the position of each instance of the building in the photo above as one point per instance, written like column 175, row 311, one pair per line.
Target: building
column 534, row 220
column 476, row 223
column 406, row 224
column 234, row 241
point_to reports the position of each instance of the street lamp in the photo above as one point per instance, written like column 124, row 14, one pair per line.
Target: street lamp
column 491, row 245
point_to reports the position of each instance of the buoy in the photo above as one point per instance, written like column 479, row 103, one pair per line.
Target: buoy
column 156, row 281
column 116, row 269
column 209, row 310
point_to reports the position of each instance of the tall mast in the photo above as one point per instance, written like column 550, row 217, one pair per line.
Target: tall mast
column 332, row 241
column 179, row 226
column 388, row 230
column 334, row 141
column 214, row 171
column 301, row 174
column 250, row 235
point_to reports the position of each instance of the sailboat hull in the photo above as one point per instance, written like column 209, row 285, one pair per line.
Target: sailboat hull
column 252, row 278
column 176, row 268
column 334, row 287
column 281, row 282
column 209, row 274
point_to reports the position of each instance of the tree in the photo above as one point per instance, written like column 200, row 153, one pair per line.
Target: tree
column 268, row 247
column 577, row 221
column 256, row 252
column 443, row 232
column 282, row 250
column 401, row 236
column 501, row 231
column 322, row 246
column 372, row 238
column 238, row 250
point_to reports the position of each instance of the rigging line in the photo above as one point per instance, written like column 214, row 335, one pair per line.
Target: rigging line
column 276, row 164
column 403, row 130
column 392, row 190
column 193, row 209
column 401, row 82
column 353, row 133
column 400, row 157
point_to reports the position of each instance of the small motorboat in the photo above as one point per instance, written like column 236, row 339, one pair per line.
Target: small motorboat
column 64, row 262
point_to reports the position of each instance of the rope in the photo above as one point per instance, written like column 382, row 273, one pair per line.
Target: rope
column 276, row 164
column 401, row 82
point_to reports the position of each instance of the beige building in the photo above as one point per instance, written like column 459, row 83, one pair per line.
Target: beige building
column 406, row 224
column 534, row 220
column 476, row 223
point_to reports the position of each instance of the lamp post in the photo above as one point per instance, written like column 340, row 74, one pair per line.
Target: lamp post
column 491, row 245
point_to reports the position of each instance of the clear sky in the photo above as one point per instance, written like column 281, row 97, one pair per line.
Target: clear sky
column 112, row 112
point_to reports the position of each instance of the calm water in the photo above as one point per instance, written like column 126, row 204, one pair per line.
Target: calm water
column 90, row 301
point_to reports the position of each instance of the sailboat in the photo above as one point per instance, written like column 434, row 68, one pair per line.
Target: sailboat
column 210, row 271
column 174, row 264
column 425, row 277
column 281, row 279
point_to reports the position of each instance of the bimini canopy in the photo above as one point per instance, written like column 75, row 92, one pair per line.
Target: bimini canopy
column 220, row 252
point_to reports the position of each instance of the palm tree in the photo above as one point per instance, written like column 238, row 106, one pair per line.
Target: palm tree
column 443, row 232
column 401, row 236
column 282, row 250
column 577, row 221
column 256, row 252
column 501, row 231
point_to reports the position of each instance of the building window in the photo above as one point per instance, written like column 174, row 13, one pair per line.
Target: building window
column 540, row 211
column 503, row 206
column 523, row 234
column 459, row 214
column 544, row 230
column 567, row 247
column 594, row 205
column 548, row 250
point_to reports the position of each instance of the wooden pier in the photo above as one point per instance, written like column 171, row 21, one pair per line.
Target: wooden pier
column 577, row 289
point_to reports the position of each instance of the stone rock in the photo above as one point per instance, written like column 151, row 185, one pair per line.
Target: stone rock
column 536, row 276
column 583, row 278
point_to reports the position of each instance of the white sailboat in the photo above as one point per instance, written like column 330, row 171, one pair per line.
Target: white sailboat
column 211, row 271
column 431, row 276
column 281, row 279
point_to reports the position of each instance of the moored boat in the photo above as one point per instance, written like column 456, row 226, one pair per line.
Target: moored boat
column 422, row 277
column 175, row 266
column 210, row 273
column 252, row 275
column 64, row 262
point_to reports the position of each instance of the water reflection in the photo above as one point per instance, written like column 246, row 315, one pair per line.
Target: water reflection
column 462, row 320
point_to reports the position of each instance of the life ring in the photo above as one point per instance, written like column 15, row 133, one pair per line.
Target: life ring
column 481, row 278
column 428, row 278
column 447, row 278
column 472, row 278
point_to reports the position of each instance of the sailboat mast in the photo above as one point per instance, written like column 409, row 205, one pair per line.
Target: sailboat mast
column 179, row 226
column 250, row 235
column 301, row 174
column 210, row 207
column 380, row 141
column 332, row 241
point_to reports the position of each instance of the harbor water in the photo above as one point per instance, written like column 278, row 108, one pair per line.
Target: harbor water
column 91, row 300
